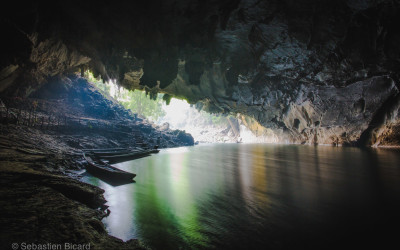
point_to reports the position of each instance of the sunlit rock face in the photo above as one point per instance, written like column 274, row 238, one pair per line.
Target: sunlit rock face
column 312, row 71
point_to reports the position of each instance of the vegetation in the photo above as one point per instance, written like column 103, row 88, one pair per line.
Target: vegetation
column 139, row 102
column 150, row 104
column 146, row 104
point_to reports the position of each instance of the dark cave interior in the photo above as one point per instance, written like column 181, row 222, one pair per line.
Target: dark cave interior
column 311, row 71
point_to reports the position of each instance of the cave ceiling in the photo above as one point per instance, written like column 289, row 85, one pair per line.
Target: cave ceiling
column 293, row 65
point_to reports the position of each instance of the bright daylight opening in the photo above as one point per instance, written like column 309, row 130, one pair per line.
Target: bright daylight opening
column 179, row 114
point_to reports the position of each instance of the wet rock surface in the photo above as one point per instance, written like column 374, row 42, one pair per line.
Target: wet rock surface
column 42, row 200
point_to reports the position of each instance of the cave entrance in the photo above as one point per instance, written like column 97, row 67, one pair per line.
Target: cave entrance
column 209, row 127
column 172, row 113
column 177, row 114
column 203, row 126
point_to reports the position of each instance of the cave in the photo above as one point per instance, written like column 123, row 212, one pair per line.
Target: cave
column 296, row 105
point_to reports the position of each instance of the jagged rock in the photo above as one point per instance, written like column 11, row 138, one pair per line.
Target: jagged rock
column 186, row 138
column 270, row 60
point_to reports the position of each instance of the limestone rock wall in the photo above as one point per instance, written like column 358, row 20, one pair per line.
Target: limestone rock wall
column 312, row 71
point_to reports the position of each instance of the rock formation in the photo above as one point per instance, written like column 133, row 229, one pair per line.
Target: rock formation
column 312, row 71
column 43, row 199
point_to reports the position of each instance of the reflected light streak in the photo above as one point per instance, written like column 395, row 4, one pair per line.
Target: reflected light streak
column 121, row 220
column 182, row 202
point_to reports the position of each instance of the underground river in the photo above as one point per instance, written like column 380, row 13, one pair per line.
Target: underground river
column 253, row 196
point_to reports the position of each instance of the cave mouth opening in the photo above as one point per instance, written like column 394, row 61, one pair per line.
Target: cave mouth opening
column 168, row 112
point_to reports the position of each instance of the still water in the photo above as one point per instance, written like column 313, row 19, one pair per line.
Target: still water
column 257, row 196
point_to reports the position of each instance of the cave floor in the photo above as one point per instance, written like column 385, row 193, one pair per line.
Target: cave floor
column 42, row 199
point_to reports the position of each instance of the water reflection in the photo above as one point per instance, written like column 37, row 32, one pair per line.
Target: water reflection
column 256, row 196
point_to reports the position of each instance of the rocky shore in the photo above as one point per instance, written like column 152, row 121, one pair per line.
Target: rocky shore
column 42, row 200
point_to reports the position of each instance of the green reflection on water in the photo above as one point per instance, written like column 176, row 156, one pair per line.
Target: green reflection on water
column 164, row 201
column 231, row 195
